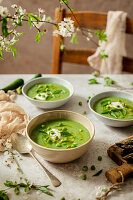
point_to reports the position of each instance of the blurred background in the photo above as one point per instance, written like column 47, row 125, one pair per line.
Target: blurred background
column 35, row 57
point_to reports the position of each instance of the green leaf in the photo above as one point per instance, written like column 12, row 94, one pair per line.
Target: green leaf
column 124, row 112
column 101, row 35
column 62, row 46
column 105, row 111
column 74, row 38
column 96, row 74
column 38, row 36
column 103, row 55
column 22, row 184
column 14, row 42
column 33, row 17
column 13, row 50
column 57, row 91
column 3, row 195
column 44, row 190
column 92, row 81
column 17, row 190
column 4, row 27
column 65, row 2
column 108, row 81
column 113, row 114
column 105, row 102
column 1, row 55
column 27, row 188
column 19, row 34
column 29, row 21
column 65, row 133
column 98, row 173
column 10, row 184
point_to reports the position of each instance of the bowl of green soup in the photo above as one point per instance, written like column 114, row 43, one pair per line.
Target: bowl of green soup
column 114, row 108
column 48, row 92
column 60, row 136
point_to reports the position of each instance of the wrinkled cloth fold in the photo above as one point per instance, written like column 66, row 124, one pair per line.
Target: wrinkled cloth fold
column 114, row 47
column 13, row 119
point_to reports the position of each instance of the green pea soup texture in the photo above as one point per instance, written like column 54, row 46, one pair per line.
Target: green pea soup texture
column 73, row 134
column 54, row 91
column 124, row 113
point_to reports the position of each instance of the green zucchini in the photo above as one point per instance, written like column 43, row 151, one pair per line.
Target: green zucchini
column 15, row 84
column 36, row 76
column 19, row 89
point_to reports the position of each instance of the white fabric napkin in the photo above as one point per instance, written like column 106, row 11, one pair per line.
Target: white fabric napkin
column 114, row 47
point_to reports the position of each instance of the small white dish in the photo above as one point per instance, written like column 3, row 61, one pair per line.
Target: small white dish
column 106, row 120
column 60, row 155
column 48, row 104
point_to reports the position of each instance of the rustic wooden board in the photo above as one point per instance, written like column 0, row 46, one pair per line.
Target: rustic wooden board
column 125, row 167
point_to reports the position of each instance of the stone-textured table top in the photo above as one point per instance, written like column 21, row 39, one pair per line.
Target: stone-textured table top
column 73, row 187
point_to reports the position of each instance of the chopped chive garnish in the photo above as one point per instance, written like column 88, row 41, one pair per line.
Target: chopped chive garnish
column 88, row 99
column 98, row 173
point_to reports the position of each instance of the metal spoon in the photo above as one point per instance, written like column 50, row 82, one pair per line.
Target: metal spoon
column 21, row 144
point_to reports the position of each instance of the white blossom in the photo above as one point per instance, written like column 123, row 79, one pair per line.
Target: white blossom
column 14, row 6
column 8, row 144
column 65, row 28
column 41, row 10
column 39, row 24
column 100, row 191
column 4, row 12
column 89, row 36
column 21, row 11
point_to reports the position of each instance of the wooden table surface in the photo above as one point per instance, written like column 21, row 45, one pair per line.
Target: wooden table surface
column 73, row 187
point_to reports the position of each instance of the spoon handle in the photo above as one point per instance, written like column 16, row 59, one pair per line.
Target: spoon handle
column 55, row 182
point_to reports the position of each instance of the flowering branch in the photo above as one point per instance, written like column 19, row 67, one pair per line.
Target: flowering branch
column 65, row 28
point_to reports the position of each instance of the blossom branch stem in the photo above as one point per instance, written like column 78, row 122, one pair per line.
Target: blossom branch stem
column 81, row 29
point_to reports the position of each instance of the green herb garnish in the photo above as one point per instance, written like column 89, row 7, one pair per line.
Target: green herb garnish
column 3, row 195
column 65, row 133
column 84, row 112
column 98, row 173
column 57, row 91
column 92, row 81
column 89, row 97
column 85, row 168
column 27, row 187
column 96, row 74
column 108, row 81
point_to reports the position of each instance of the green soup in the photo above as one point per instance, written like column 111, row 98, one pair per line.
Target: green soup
column 115, row 107
column 48, row 92
column 60, row 134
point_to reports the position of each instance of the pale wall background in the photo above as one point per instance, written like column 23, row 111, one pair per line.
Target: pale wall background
column 35, row 58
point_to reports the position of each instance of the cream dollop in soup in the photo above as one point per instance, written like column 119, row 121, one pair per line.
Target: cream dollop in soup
column 60, row 134
column 48, row 92
column 115, row 107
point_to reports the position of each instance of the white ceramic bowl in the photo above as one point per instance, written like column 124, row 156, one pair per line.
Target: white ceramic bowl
column 60, row 155
column 107, row 120
column 48, row 104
